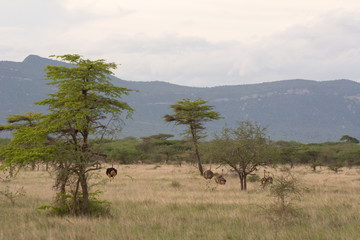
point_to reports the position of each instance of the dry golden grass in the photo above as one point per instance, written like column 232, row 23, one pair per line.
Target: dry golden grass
column 172, row 202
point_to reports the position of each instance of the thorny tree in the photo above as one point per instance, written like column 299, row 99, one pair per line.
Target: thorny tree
column 193, row 114
column 244, row 149
column 85, row 104
column 18, row 122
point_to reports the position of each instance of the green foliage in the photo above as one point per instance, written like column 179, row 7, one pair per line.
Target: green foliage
column 4, row 141
column 347, row 138
column 285, row 190
column 244, row 149
column 28, row 139
column 158, row 148
column 193, row 114
column 85, row 104
column 254, row 178
column 324, row 154
column 288, row 152
column 123, row 151
column 336, row 166
column 97, row 207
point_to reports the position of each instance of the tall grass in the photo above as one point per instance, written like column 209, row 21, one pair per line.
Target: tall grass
column 172, row 202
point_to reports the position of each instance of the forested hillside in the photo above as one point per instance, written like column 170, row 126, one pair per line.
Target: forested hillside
column 300, row 110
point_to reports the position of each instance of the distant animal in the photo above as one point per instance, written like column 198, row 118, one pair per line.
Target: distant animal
column 111, row 172
column 264, row 179
column 208, row 174
column 220, row 179
column 267, row 179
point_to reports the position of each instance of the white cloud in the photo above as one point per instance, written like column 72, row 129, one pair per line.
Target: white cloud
column 197, row 42
column 326, row 49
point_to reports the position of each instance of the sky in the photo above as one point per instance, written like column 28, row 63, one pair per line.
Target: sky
column 201, row 43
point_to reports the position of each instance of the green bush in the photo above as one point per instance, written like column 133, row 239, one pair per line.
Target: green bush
column 253, row 178
column 97, row 207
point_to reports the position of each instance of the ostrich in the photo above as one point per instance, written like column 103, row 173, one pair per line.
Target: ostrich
column 111, row 172
column 267, row 179
column 264, row 179
column 208, row 174
column 220, row 179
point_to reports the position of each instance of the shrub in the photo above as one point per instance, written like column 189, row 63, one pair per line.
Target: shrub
column 97, row 207
column 253, row 178
column 175, row 184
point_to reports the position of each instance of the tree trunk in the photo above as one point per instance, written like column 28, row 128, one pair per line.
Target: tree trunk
column 314, row 167
column 11, row 171
column 195, row 141
column 241, row 181
column 85, row 192
column 61, row 182
column 245, row 185
column 75, row 198
column 199, row 161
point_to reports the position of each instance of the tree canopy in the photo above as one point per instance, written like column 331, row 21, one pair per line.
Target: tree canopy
column 244, row 149
column 193, row 114
column 85, row 104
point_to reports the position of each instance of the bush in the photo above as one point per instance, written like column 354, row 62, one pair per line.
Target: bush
column 253, row 178
column 175, row 184
column 97, row 207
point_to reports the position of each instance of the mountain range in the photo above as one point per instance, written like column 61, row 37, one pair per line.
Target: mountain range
column 297, row 109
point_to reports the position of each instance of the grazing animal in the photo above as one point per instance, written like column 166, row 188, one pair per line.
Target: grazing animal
column 264, row 179
column 111, row 172
column 267, row 179
column 220, row 179
column 208, row 174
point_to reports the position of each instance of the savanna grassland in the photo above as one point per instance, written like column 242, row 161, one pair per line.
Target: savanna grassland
column 175, row 202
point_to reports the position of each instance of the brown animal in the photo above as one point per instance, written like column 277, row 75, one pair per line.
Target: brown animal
column 208, row 174
column 267, row 179
column 264, row 179
column 220, row 179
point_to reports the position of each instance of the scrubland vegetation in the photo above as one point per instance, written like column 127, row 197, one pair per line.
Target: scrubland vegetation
column 151, row 201
column 53, row 183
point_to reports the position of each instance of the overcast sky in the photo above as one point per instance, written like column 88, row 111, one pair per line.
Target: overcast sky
column 192, row 42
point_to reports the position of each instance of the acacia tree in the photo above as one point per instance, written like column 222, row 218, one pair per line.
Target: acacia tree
column 244, row 149
column 84, row 105
column 347, row 138
column 193, row 114
column 16, row 122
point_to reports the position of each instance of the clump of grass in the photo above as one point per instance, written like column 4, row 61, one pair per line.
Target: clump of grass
column 175, row 184
column 253, row 178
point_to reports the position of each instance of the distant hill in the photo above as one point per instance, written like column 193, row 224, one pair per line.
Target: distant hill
column 300, row 110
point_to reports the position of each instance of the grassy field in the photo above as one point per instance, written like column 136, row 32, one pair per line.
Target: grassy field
column 173, row 202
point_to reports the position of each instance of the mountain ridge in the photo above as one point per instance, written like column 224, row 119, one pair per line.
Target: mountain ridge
column 294, row 109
